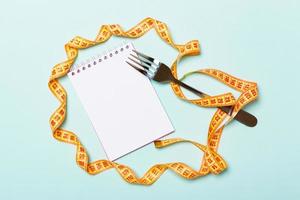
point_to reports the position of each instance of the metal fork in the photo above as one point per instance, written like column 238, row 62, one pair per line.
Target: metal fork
column 155, row 70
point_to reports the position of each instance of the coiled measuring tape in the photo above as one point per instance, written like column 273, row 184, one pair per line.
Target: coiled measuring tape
column 212, row 162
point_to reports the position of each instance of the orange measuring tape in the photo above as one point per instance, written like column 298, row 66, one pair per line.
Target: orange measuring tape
column 212, row 162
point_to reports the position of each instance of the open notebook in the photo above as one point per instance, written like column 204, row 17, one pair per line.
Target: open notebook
column 120, row 102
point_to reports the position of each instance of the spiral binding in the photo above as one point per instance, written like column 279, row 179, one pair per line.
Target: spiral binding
column 88, row 63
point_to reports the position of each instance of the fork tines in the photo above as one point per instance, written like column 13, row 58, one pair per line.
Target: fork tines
column 143, row 55
column 143, row 63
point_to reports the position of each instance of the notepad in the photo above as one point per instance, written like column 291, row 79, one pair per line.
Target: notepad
column 121, row 103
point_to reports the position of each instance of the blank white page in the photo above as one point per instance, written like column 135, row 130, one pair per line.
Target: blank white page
column 121, row 103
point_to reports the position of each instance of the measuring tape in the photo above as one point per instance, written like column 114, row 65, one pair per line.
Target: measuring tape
column 212, row 162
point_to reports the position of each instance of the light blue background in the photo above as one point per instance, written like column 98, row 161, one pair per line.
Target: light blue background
column 255, row 40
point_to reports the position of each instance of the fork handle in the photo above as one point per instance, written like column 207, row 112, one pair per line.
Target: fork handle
column 242, row 116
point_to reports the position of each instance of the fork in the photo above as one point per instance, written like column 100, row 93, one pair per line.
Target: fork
column 157, row 71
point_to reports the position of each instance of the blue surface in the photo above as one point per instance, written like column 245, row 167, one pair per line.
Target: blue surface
column 255, row 40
